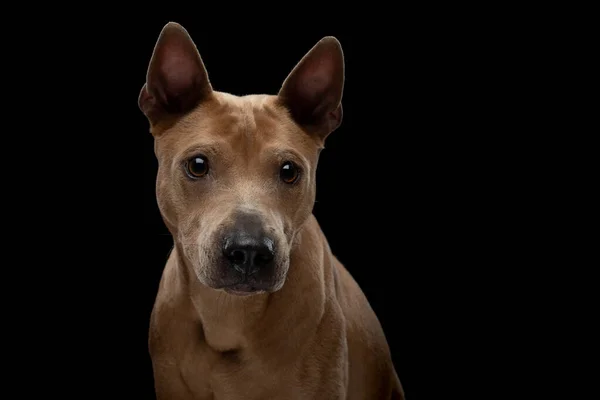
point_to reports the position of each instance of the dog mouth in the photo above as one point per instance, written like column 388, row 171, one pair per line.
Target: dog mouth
column 242, row 289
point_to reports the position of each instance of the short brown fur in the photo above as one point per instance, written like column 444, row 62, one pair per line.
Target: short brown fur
column 309, row 333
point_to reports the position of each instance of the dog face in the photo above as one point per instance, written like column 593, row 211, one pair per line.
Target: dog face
column 236, row 176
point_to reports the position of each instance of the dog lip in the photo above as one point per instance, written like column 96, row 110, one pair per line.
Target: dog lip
column 242, row 289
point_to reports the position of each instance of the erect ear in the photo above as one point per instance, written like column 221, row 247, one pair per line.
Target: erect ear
column 312, row 92
column 176, row 80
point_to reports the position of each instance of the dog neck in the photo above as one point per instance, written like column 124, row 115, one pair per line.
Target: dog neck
column 232, row 322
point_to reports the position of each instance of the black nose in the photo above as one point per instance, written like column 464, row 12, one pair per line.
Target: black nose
column 248, row 254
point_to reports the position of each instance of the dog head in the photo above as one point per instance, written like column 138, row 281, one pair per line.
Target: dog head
column 236, row 175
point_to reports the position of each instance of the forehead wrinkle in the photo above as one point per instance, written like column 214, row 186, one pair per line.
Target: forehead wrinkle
column 250, row 133
column 227, row 124
column 248, row 119
column 285, row 137
column 247, row 129
column 205, row 122
column 206, row 146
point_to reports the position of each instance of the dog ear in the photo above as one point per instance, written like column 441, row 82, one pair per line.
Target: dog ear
column 312, row 92
column 176, row 80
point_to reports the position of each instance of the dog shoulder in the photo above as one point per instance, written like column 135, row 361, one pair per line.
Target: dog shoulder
column 360, row 316
column 369, row 353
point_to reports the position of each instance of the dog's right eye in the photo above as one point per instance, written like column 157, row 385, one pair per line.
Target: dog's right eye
column 197, row 167
column 289, row 172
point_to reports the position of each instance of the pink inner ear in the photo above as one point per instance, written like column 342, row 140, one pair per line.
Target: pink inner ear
column 179, row 72
column 315, row 78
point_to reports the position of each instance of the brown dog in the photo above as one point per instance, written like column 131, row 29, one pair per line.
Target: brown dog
column 252, row 303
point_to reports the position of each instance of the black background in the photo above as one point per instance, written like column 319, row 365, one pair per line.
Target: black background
column 401, row 192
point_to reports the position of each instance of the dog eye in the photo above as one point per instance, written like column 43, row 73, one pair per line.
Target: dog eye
column 197, row 167
column 289, row 172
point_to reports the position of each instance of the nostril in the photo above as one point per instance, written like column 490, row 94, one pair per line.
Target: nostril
column 263, row 258
column 237, row 257
column 248, row 254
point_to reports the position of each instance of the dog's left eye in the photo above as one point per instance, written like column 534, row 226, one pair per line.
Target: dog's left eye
column 197, row 166
column 289, row 172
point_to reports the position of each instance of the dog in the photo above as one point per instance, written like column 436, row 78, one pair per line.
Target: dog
column 252, row 304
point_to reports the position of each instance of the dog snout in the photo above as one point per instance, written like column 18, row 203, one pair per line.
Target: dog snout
column 247, row 247
column 248, row 254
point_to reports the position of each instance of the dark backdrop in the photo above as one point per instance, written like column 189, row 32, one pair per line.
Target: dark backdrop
column 395, row 183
